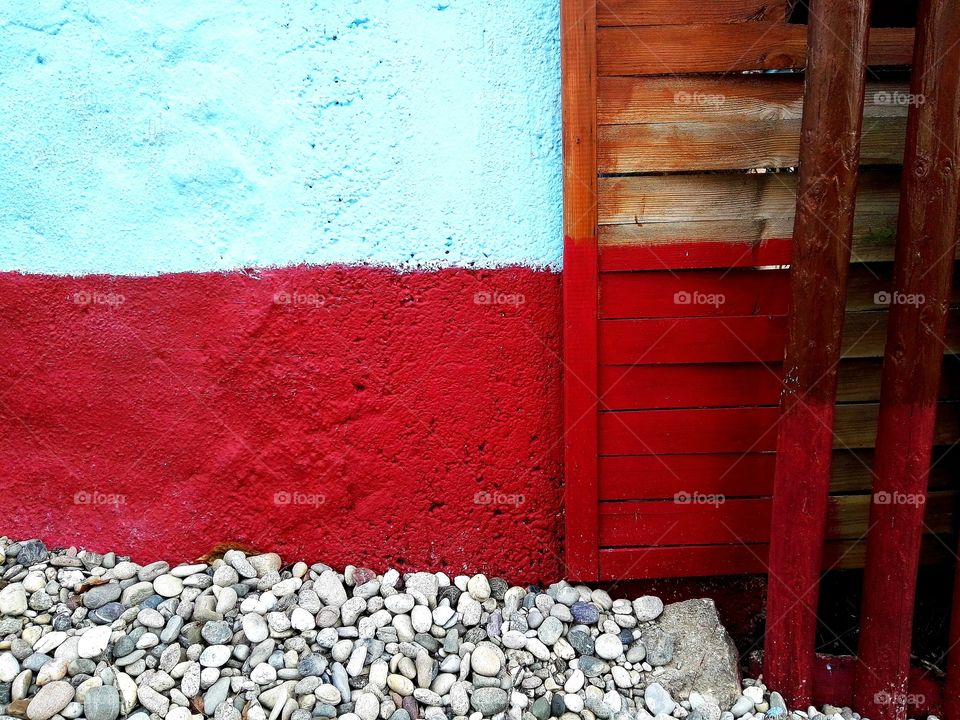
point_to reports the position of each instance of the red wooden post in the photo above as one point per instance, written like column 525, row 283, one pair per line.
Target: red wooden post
column 826, row 194
column 923, row 272
column 579, row 66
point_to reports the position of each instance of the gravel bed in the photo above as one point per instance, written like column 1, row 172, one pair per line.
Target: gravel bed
column 247, row 637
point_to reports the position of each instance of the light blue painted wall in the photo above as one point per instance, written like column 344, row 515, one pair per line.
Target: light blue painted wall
column 171, row 135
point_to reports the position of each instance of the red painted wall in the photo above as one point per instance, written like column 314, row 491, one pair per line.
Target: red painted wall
column 350, row 415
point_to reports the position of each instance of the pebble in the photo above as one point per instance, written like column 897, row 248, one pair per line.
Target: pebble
column 479, row 587
column 215, row 656
column 585, row 613
column 50, row 700
column 581, row 641
column 255, row 628
column 9, row 667
column 742, row 706
column 485, row 660
column 550, row 630
column 13, row 600
column 100, row 595
column 489, row 701
column 32, row 552
column 102, row 703
column 647, row 608
column 168, row 586
column 658, row 700
column 330, row 589
column 94, row 641
column 608, row 647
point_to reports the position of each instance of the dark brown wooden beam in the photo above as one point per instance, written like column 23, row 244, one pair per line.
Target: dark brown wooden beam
column 823, row 230
column 923, row 274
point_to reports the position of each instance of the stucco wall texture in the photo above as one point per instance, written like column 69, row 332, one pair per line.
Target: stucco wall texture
column 146, row 137
column 284, row 274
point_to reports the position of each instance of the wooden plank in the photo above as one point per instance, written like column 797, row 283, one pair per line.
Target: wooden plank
column 664, row 199
column 829, row 161
column 726, row 145
column 695, row 430
column 757, row 338
column 699, row 519
column 726, row 47
column 713, row 560
column 736, row 98
column 926, row 246
column 725, row 244
column 743, row 429
column 579, row 89
column 637, row 477
column 694, row 293
column 733, row 243
column 726, row 253
column 746, row 291
column 625, row 387
column 665, row 12
column 692, row 340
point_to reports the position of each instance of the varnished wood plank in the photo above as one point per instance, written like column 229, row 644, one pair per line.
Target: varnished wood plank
column 730, row 197
column 666, row 12
column 727, row 47
column 734, row 98
column 729, row 145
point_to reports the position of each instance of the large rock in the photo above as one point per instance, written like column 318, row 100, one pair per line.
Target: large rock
column 705, row 659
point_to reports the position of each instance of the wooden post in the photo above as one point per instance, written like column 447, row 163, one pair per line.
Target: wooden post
column 580, row 267
column 826, row 194
column 923, row 272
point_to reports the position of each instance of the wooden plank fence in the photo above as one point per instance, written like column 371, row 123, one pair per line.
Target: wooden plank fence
column 682, row 143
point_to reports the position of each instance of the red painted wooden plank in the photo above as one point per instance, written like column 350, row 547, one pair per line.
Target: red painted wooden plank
column 711, row 560
column 579, row 88
column 698, row 430
column 735, row 339
column 678, row 255
column 680, row 386
column 926, row 245
column 633, row 477
column 823, row 234
column 638, row 477
column 688, row 519
column 695, row 293
column 686, row 561
column 635, row 387
column 692, row 340
column 691, row 518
